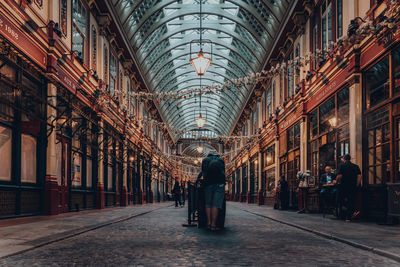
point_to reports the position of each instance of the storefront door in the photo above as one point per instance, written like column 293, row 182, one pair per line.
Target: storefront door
column 63, row 154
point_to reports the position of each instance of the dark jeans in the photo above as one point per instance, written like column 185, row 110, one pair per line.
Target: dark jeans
column 347, row 199
column 328, row 197
column 177, row 199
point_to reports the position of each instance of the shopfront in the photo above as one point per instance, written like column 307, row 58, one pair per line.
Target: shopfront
column 329, row 133
column 252, row 196
column 22, row 136
column 381, row 131
column 268, row 174
column 244, row 181
column 289, row 156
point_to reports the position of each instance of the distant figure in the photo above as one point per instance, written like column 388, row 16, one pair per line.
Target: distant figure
column 283, row 193
column 183, row 195
column 349, row 177
column 327, row 193
column 213, row 171
column 177, row 194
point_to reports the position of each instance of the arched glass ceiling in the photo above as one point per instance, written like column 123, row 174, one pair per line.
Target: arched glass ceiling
column 242, row 33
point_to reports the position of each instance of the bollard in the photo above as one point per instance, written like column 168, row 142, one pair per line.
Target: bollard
column 191, row 206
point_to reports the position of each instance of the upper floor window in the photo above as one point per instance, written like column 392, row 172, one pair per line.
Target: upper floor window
column 326, row 23
column 290, row 78
column 78, row 28
column 105, row 64
column 113, row 73
column 94, row 47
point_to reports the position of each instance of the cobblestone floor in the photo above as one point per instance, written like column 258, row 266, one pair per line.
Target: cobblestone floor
column 158, row 239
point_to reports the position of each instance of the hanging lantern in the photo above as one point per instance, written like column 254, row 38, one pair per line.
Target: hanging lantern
column 200, row 63
column 200, row 121
column 200, row 149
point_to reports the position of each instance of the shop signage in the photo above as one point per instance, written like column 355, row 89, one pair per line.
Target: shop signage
column 290, row 119
column 394, row 199
column 327, row 90
column 21, row 41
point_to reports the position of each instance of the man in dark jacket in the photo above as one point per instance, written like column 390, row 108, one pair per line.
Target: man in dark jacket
column 349, row 177
column 213, row 170
column 327, row 194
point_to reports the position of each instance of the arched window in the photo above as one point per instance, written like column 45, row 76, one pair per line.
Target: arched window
column 105, row 65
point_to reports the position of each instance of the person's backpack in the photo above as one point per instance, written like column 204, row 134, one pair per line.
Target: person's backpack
column 214, row 170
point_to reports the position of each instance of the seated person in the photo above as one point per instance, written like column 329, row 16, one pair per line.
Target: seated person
column 327, row 194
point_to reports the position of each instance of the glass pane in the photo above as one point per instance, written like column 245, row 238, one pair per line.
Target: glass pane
column 297, row 135
column 5, row 153
column 371, row 175
column 314, row 123
column 326, row 112
column 385, row 133
column 378, row 175
column 377, row 82
column 379, row 156
column 76, row 169
column 28, row 159
column 371, row 157
column 343, row 106
column 386, row 152
column 378, row 140
column 109, row 178
column 396, row 70
column 89, row 173
column 371, row 139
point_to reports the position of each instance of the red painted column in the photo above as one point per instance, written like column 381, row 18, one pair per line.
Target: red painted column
column 260, row 197
column 100, row 196
column 124, row 196
column 51, row 196
column 151, row 196
column 248, row 195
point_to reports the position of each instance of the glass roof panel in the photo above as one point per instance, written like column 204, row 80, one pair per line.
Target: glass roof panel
column 162, row 34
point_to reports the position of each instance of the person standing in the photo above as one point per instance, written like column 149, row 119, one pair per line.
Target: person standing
column 177, row 194
column 349, row 177
column 283, row 193
column 213, row 170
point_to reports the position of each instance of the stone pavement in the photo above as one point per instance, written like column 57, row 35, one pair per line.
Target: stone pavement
column 31, row 232
column 157, row 238
column 381, row 239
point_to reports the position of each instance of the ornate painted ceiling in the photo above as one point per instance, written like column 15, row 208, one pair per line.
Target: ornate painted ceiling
column 242, row 33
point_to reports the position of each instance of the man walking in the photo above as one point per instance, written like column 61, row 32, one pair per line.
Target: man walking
column 349, row 177
column 213, row 170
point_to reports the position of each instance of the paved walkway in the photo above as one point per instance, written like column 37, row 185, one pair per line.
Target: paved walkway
column 31, row 232
column 152, row 235
column 381, row 239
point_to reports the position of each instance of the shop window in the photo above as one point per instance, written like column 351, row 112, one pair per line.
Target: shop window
column 377, row 83
column 396, row 70
column 326, row 113
column 76, row 175
column 397, row 148
column 314, row 158
column 78, row 28
column 63, row 16
column 5, row 153
column 314, row 123
column 28, row 158
column 89, row 171
column 378, row 132
column 293, row 137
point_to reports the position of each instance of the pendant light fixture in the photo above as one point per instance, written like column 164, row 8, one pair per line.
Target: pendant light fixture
column 200, row 63
column 200, row 121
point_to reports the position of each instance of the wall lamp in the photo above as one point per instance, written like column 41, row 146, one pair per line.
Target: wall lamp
column 308, row 76
column 54, row 26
